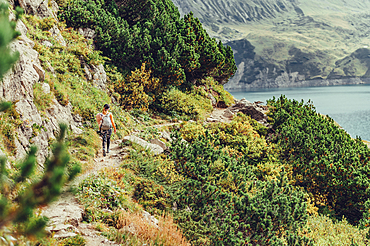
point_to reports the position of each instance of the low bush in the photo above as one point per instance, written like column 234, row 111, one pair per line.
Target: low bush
column 220, row 199
column 324, row 159
column 41, row 99
column 223, row 98
column 138, row 90
column 187, row 106
column 324, row 231
column 99, row 193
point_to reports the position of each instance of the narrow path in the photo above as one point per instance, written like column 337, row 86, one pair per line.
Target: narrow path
column 220, row 115
column 65, row 214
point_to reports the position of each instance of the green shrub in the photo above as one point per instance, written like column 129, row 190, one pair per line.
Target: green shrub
column 73, row 241
column 324, row 159
column 324, row 231
column 7, row 34
column 137, row 90
column 42, row 100
column 150, row 194
column 177, row 50
column 177, row 103
column 220, row 199
column 223, row 98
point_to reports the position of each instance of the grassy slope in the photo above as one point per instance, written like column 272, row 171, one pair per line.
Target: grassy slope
column 330, row 30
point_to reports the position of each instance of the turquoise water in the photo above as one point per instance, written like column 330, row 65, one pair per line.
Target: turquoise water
column 347, row 105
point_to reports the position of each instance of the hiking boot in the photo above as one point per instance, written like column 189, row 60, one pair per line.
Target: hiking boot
column 107, row 150
column 104, row 152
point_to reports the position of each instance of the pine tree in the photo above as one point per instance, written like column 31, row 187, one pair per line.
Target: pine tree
column 7, row 34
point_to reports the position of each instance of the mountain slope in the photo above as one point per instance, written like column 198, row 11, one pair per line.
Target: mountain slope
column 300, row 39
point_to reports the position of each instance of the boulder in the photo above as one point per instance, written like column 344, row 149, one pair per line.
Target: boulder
column 45, row 88
column 156, row 149
column 159, row 143
column 254, row 110
column 150, row 218
column 99, row 76
column 30, row 6
column 87, row 32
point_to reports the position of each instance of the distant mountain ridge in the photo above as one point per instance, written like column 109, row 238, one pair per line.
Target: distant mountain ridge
column 237, row 11
column 279, row 43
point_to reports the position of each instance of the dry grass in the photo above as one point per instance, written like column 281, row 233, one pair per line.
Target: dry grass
column 166, row 233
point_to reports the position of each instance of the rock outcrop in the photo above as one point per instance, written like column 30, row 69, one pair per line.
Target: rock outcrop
column 17, row 86
column 153, row 147
column 254, row 110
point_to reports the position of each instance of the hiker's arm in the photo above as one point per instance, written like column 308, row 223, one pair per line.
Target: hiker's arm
column 98, row 119
column 114, row 125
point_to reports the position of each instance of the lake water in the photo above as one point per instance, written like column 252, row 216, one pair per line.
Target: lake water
column 347, row 105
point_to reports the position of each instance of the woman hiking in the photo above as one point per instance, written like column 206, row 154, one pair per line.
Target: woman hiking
column 105, row 121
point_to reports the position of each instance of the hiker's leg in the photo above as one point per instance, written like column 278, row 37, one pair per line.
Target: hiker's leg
column 108, row 139
column 104, row 138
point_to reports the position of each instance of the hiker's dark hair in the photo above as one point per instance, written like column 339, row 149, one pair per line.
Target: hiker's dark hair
column 106, row 106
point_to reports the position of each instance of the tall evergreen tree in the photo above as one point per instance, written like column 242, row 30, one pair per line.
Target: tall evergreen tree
column 131, row 33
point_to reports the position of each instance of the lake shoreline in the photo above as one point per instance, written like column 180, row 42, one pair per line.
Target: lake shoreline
column 294, row 83
column 349, row 105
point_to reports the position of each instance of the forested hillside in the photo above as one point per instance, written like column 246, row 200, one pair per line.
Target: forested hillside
column 296, row 179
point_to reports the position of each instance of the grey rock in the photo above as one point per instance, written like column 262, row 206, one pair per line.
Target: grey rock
column 46, row 88
column 39, row 71
column 76, row 130
column 21, row 27
column 49, row 67
column 47, row 44
column 228, row 114
column 54, row 31
column 77, row 118
column 256, row 111
column 64, row 234
column 54, row 7
column 213, row 99
column 87, row 32
column 57, row 228
column 87, row 72
column 159, row 143
column 212, row 120
column 30, row 6
column 129, row 228
column 18, row 83
column 166, row 136
column 155, row 149
column 44, row 11
column 99, row 76
column 151, row 219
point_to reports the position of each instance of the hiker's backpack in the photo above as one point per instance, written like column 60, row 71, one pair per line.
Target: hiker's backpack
column 106, row 122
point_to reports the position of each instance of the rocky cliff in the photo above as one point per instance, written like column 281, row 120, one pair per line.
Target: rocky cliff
column 299, row 70
column 36, row 127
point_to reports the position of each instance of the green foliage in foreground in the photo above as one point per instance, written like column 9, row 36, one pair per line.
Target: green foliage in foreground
column 324, row 159
column 19, row 210
column 7, row 34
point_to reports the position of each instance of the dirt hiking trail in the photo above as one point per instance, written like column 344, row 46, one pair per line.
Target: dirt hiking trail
column 65, row 214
